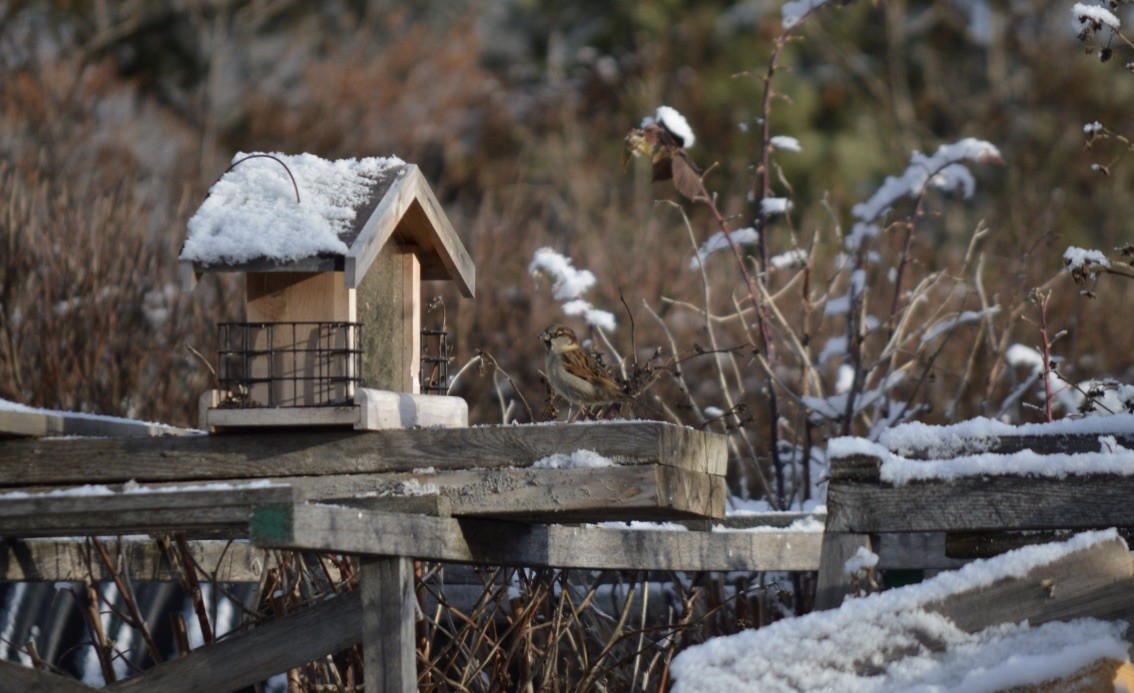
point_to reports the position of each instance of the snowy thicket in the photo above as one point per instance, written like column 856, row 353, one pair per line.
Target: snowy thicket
column 568, row 286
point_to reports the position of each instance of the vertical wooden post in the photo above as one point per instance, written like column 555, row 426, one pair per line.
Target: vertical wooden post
column 833, row 584
column 388, row 638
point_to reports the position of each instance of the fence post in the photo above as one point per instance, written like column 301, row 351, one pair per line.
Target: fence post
column 388, row 638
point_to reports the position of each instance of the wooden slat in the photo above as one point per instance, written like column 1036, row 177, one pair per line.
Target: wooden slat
column 1097, row 582
column 321, row 527
column 983, row 503
column 246, row 659
column 187, row 510
column 14, row 677
column 39, row 423
column 638, row 492
column 389, row 644
column 67, row 560
column 243, row 456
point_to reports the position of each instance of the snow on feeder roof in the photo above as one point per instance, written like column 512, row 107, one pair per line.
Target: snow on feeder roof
column 302, row 213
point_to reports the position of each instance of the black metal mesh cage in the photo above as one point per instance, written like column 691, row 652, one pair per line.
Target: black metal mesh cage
column 289, row 364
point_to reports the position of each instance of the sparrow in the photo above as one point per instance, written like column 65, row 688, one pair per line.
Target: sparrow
column 576, row 375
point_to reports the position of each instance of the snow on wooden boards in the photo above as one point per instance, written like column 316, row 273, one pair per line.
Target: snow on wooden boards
column 110, row 460
column 353, row 530
column 647, row 470
column 19, row 421
column 938, row 634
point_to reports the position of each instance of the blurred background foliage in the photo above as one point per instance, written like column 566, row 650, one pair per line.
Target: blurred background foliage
column 117, row 115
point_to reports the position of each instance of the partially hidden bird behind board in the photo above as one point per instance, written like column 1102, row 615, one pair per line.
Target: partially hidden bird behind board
column 575, row 374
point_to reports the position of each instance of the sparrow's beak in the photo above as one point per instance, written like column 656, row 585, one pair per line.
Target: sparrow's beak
column 545, row 337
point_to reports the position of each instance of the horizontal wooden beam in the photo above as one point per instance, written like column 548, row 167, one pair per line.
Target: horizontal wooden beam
column 41, row 422
column 982, row 503
column 639, row 492
column 327, row 627
column 350, row 530
column 246, row 456
column 14, row 677
column 70, row 560
column 186, row 510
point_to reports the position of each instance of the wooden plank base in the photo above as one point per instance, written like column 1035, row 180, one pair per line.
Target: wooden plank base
column 487, row 542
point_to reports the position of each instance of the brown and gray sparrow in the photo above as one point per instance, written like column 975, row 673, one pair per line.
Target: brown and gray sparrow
column 575, row 374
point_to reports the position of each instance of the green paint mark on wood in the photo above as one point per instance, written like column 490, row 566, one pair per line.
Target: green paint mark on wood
column 271, row 524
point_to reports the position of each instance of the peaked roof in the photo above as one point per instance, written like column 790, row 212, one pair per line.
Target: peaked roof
column 326, row 216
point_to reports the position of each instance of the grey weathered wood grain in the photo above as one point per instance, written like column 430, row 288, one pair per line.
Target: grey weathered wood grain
column 188, row 510
column 982, row 503
column 833, row 585
column 15, row 677
column 39, row 423
column 638, row 492
column 244, row 456
column 388, row 614
column 1097, row 582
column 67, row 560
column 242, row 660
column 488, row 542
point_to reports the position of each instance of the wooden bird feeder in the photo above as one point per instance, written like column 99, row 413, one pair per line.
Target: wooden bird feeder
column 333, row 255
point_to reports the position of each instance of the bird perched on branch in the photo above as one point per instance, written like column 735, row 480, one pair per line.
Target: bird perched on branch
column 575, row 374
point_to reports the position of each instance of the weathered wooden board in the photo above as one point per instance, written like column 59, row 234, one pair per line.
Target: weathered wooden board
column 187, row 510
column 246, row 659
column 39, row 423
column 638, row 492
column 1097, row 582
column 242, row 456
column 982, row 503
column 14, row 677
column 488, row 542
column 67, row 560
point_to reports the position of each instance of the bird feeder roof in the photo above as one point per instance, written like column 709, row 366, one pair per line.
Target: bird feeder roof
column 302, row 213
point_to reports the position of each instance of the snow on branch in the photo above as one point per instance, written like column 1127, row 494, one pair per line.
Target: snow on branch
column 794, row 12
column 671, row 119
column 1087, row 19
column 568, row 285
column 1084, row 261
column 717, row 242
column 922, row 170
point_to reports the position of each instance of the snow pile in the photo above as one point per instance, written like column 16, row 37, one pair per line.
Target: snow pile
column 784, row 143
column 789, row 259
column 1084, row 260
column 580, row 459
column 252, row 211
column 891, row 641
column 775, row 205
column 977, row 434
column 568, row 285
column 864, row 559
column 716, row 242
column 671, row 119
